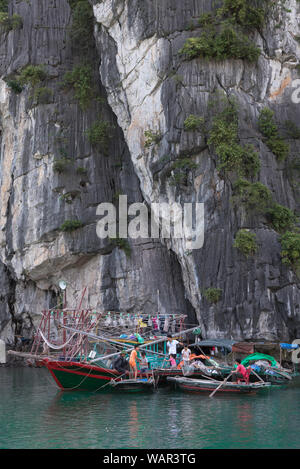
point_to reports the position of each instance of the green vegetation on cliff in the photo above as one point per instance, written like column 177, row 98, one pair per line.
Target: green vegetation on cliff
column 213, row 295
column 254, row 196
column 269, row 129
column 290, row 243
column 99, row 133
column 80, row 78
column 82, row 24
column 282, row 218
column 71, row 225
column 223, row 136
column 245, row 242
column 226, row 34
column 7, row 22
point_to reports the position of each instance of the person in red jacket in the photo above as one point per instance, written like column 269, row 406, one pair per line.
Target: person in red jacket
column 241, row 372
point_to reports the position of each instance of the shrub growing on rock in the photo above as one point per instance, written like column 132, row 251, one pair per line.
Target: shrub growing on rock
column 122, row 244
column 269, row 129
column 213, row 295
column 32, row 75
column 71, row 225
column 290, row 243
column 180, row 170
column 82, row 24
column 9, row 23
column 152, row 138
column 245, row 242
column 193, row 123
column 233, row 156
column 80, row 79
column 15, row 86
column 61, row 164
column 220, row 44
column 226, row 32
column 254, row 196
column 99, row 133
column 282, row 218
column 247, row 13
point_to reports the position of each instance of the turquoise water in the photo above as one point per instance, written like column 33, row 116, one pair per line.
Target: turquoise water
column 35, row 414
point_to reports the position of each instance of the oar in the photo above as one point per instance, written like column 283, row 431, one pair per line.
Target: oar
column 252, row 371
column 225, row 380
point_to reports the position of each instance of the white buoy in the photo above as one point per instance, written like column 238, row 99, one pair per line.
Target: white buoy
column 2, row 352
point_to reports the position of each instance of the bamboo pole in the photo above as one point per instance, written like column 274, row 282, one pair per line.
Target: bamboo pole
column 26, row 355
column 93, row 336
column 128, row 350
column 144, row 345
column 225, row 380
column 257, row 376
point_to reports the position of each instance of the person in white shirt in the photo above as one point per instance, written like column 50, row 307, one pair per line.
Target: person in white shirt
column 172, row 346
column 186, row 355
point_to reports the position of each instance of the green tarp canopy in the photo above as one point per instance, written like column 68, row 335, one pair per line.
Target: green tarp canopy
column 258, row 356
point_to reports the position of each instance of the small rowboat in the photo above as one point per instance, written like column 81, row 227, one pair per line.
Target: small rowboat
column 205, row 385
column 133, row 385
column 164, row 373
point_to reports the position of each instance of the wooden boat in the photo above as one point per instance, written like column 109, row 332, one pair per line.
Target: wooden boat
column 133, row 385
column 205, row 385
column 77, row 345
column 162, row 374
column 268, row 374
column 75, row 376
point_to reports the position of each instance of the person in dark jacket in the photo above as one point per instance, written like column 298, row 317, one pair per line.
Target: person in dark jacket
column 120, row 363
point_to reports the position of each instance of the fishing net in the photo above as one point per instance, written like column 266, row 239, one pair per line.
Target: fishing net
column 188, row 370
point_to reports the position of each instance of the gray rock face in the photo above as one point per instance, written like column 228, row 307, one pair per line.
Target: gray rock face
column 153, row 88
column 36, row 199
column 143, row 84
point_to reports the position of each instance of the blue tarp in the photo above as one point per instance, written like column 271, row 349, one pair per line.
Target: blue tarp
column 289, row 346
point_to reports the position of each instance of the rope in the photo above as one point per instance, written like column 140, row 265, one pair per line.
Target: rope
column 101, row 387
column 75, row 387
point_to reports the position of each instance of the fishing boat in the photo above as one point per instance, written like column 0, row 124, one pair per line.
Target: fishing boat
column 76, row 375
column 133, row 385
column 78, row 346
column 208, row 386
column 263, row 365
column 191, row 371
column 268, row 368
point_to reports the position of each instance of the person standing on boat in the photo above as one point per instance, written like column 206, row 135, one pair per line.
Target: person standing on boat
column 186, row 355
column 172, row 361
column 120, row 363
column 172, row 346
column 132, row 361
column 144, row 366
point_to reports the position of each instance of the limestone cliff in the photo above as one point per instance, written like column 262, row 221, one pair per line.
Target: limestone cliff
column 50, row 171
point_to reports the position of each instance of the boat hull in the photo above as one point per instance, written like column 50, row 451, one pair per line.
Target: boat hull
column 206, row 386
column 270, row 376
column 133, row 386
column 75, row 376
column 162, row 375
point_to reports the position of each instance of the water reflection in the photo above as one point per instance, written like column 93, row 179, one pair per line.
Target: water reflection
column 35, row 414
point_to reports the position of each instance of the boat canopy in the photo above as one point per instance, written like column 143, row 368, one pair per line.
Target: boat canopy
column 259, row 356
column 243, row 347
